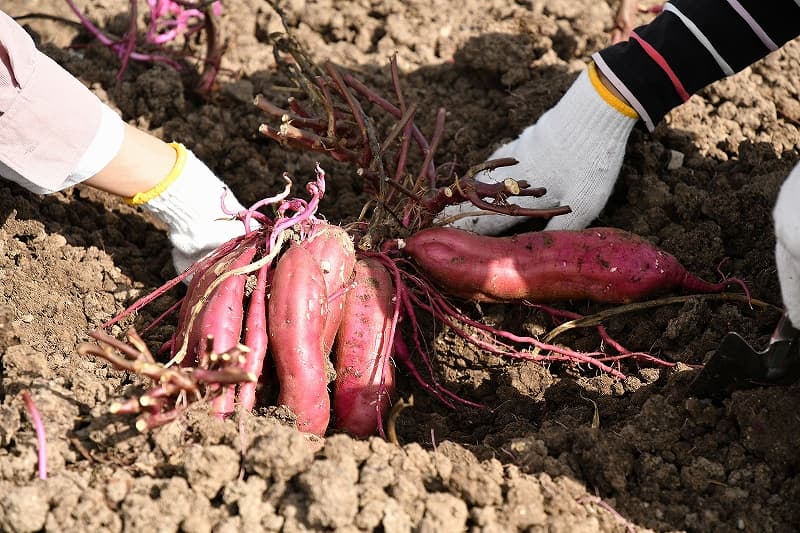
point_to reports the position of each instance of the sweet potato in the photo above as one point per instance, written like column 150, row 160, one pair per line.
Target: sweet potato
column 221, row 320
column 255, row 337
column 600, row 264
column 333, row 248
column 297, row 309
column 211, row 268
column 222, row 313
column 364, row 373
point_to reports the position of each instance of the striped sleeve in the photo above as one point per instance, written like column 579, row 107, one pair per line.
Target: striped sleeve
column 691, row 44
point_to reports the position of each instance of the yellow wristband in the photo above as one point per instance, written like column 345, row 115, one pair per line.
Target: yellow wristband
column 157, row 189
column 608, row 96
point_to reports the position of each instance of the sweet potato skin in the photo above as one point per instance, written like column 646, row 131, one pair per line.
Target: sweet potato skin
column 297, row 309
column 364, row 373
column 256, row 337
column 222, row 314
column 333, row 248
column 212, row 269
column 599, row 264
column 221, row 320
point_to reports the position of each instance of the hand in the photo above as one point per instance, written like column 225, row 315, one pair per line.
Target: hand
column 787, row 247
column 189, row 245
column 190, row 204
column 575, row 151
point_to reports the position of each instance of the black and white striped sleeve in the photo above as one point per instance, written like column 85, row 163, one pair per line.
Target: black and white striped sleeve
column 691, row 44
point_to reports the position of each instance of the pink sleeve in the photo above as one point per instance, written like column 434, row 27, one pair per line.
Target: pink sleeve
column 47, row 117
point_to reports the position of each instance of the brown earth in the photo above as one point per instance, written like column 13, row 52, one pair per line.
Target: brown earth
column 556, row 449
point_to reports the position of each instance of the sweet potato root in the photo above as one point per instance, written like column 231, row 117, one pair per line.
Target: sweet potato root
column 297, row 309
column 599, row 264
column 221, row 316
column 364, row 373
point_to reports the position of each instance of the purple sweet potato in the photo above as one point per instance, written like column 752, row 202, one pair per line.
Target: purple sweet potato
column 297, row 311
column 599, row 264
column 364, row 372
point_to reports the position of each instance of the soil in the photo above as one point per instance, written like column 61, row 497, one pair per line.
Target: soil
column 555, row 448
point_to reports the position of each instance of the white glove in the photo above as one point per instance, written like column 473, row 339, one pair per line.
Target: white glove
column 188, row 201
column 575, row 151
column 787, row 247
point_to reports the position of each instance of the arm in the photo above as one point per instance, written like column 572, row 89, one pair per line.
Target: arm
column 142, row 161
column 54, row 133
column 48, row 119
column 692, row 44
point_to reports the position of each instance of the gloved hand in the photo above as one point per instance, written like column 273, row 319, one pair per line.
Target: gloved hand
column 575, row 151
column 787, row 247
column 188, row 201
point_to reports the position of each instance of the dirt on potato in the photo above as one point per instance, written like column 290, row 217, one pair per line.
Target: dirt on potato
column 554, row 448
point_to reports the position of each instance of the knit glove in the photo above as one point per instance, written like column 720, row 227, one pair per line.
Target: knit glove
column 575, row 151
column 188, row 201
column 787, row 247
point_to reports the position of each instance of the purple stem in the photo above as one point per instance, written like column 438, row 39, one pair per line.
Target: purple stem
column 443, row 310
column 121, row 48
column 317, row 190
column 402, row 352
column 38, row 426
column 403, row 299
column 369, row 94
column 141, row 302
column 174, row 307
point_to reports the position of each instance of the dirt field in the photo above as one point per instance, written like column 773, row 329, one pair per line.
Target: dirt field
column 555, row 449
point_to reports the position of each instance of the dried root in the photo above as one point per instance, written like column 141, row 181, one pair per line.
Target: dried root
column 174, row 387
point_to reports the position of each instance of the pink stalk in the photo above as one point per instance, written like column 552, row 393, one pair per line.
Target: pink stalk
column 403, row 302
column 192, row 270
column 160, row 318
column 564, row 354
column 438, row 131
column 402, row 155
column 129, row 39
column 402, row 353
column 252, row 212
column 644, row 356
column 38, row 426
column 570, row 315
column 124, row 48
column 163, row 29
column 373, row 97
column 604, row 336
column 307, row 212
column 168, row 20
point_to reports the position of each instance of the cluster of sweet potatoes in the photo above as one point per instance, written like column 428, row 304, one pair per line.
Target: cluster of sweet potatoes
column 291, row 310
column 294, row 313
column 278, row 315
